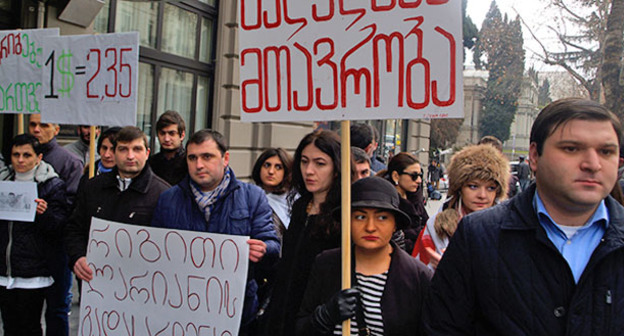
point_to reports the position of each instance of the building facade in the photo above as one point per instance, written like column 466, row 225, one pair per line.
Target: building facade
column 189, row 62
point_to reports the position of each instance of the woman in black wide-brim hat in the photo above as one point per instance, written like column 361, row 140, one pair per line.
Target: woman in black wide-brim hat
column 389, row 286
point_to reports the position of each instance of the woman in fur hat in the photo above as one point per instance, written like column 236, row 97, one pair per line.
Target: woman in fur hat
column 478, row 178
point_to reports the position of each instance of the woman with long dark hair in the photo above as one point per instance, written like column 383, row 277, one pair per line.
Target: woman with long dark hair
column 272, row 173
column 405, row 173
column 316, row 177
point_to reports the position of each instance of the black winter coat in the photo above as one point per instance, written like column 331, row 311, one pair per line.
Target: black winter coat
column 401, row 302
column 100, row 197
column 32, row 242
column 299, row 249
column 501, row 275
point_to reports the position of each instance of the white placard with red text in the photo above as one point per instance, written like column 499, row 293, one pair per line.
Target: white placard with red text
column 350, row 60
column 152, row 281
column 91, row 79
column 21, row 60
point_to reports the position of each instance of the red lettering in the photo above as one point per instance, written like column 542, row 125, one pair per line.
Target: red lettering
column 407, row 4
column 10, row 44
column 434, row 85
column 278, row 19
column 356, row 73
column 327, row 17
column 278, row 77
column 237, row 254
column 327, row 60
column 308, row 105
column 360, row 12
column 381, row 8
column 418, row 60
column 257, row 81
column 292, row 21
column 220, row 287
column 388, row 41
column 243, row 15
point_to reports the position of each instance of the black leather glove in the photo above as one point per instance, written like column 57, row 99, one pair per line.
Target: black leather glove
column 339, row 308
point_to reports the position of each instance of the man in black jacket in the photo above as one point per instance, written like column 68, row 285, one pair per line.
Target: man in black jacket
column 170, row 162
column 548, row 262
column 128, row 194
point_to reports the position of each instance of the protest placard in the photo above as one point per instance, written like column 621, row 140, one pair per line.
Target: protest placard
column 152, row 281
column 350, row 60
column 21, row 60
column 91, row 79
column 17, row 201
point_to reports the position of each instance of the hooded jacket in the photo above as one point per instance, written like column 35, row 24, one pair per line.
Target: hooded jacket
column 24, row 246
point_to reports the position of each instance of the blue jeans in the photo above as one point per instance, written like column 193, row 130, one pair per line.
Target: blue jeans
column 58, row 296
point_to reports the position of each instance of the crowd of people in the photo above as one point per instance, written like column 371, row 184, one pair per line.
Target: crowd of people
column 544, row 261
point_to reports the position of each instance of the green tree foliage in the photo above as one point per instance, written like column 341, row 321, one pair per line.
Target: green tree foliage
column 501, row 43
column 471, row 33
column 444, row 132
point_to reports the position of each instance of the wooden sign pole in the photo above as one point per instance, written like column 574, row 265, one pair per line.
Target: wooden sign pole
column 20, row 123
column 92, row 151
column 345, row 154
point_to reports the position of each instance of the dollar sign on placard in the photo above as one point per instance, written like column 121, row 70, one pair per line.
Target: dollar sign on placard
column 67, row 79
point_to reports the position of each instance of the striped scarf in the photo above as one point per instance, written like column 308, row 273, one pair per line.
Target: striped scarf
column 205, row 200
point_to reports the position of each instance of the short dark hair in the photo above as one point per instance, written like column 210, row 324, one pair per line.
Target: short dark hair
column 26, row 139
column 492, row 141
column 207, row 134
column 559, row 112
column 110, row 134
column 171, row 117
column 286, row 160
column 129, row 134
column 359, row 155
column 361, row 135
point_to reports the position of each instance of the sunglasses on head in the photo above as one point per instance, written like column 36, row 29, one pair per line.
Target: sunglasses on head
column 413, row 175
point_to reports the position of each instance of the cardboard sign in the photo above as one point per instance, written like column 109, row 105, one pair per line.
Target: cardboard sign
column 21, row 61
column 152, row 281
column 17, row 201
column 91, row 79
column 350, row 60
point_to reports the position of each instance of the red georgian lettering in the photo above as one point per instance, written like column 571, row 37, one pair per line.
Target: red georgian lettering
column 452, row 68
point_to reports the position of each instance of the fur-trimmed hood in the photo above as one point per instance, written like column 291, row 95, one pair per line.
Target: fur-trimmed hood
column 478, row 162
column 43, row 172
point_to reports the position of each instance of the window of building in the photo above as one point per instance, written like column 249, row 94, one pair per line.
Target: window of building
column 176, row 70
column 5, row 5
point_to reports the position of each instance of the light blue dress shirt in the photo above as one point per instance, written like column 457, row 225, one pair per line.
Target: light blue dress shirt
column 578, row 248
